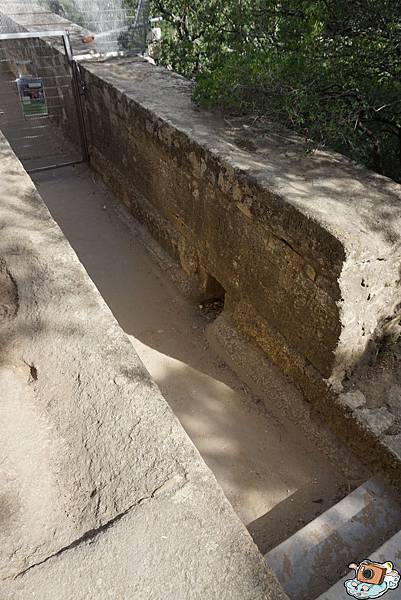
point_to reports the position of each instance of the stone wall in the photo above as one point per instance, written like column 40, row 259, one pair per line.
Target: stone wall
column 306, row 247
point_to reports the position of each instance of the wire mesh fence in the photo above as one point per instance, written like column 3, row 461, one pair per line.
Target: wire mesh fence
column 40, row 110
column 38, row 107
column 113, row 25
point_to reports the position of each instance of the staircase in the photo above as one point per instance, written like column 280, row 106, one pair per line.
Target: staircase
column 313, row 563
column 390, row 550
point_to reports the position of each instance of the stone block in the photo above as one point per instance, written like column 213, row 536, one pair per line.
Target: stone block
column 376, row 420
column 353, row 400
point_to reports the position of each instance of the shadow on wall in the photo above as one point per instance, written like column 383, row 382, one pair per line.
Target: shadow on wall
column 386, row 334
column 326, row 184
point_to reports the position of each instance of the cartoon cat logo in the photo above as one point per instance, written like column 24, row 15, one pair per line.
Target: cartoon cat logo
column 372, row 579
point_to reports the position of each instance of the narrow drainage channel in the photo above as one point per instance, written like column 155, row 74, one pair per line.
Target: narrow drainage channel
column 274, row 478
column 298, row 504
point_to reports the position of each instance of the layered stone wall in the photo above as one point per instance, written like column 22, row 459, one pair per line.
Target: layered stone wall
column 306, row 247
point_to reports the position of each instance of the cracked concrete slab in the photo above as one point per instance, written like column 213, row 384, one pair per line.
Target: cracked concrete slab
column 137, row 557
column 98, row 471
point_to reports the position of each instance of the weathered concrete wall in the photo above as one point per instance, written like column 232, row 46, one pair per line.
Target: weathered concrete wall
column 102, row 493
column 307, row 248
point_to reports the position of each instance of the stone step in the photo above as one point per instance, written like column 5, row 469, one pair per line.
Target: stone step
column 389, row 551
column 316, row 556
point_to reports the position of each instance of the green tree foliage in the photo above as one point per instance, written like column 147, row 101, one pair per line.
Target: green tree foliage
column 329, row 69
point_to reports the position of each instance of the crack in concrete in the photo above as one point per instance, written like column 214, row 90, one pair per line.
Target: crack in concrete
column 93, row 533
column 88, row 535
column 9, row 297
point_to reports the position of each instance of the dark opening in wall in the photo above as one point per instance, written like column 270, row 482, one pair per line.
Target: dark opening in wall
column 213, row 299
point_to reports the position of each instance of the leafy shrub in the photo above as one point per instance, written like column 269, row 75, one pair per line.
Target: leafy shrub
column 329, row 69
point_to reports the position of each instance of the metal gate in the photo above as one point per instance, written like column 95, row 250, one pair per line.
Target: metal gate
column 40, row 104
